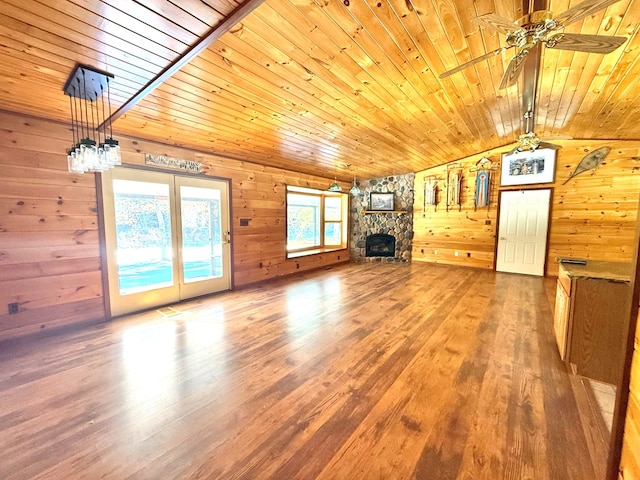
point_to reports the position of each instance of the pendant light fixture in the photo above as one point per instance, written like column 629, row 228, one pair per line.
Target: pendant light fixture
column 90, row 152
column 334, row 187
column 354, row 189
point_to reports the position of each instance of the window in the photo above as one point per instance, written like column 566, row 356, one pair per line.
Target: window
column 316, row 221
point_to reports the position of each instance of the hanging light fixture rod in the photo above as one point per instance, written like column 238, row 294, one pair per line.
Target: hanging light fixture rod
column 531, row 72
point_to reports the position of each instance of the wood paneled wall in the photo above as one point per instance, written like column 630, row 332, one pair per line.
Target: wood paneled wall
column 630, row 462
column 439, row 234
column 592, row 216
column 49, row 240
column 49, row 247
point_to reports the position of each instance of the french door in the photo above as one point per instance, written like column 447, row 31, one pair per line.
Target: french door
column 167, row 237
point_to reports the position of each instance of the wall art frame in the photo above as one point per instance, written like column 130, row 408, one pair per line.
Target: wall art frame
column 382, row 201
column 528, row 167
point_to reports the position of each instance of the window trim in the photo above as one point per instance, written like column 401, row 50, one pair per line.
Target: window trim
column 344, row 221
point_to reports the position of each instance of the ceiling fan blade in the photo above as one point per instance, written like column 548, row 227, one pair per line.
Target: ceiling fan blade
column 513, row 70
column 473, row 62
column 496, row 22
column 583, row 9
column 585, row 43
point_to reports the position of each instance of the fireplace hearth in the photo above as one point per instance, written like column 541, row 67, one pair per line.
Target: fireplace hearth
column 380, row 245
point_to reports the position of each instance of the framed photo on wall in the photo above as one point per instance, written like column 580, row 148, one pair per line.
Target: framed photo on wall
column 381, row 201
column 523, row 168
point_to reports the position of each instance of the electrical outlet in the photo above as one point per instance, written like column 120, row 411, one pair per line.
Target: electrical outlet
column 14, row 308
column 435, row 252
column 455, row 254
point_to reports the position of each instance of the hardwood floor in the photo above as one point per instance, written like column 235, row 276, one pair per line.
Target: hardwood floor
column 374, row 371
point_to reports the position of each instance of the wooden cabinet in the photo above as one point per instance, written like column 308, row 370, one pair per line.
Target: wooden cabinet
column 561, row 319
column 592, row 309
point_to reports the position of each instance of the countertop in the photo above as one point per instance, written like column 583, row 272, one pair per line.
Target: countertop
column 614, row 271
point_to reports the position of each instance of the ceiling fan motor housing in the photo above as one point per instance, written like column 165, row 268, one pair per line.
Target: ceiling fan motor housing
column 534, row 28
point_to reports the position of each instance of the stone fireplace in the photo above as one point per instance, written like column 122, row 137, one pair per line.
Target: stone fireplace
column 395, row 226
column 380, row 245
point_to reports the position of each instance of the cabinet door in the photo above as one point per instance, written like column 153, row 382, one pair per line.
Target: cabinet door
column 561, row 320
column 599, row 322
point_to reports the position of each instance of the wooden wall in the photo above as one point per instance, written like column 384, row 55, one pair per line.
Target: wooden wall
column 592, row 216
column 439, row 234
column 630, row 462
column 49, row 239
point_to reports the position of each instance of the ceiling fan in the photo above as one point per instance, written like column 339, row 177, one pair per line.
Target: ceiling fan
column 542, row 27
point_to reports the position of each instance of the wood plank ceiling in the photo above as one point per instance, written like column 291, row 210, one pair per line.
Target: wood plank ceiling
column 313, row 85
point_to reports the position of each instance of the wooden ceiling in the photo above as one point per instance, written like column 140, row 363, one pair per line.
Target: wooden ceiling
column 313, row 85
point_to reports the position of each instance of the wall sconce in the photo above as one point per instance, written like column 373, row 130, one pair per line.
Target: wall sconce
column 90, row 153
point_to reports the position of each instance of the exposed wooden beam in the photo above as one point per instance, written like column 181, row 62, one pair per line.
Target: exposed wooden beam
column 211, row 36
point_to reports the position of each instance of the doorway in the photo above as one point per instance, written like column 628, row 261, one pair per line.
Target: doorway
column 167, row 238
column 522, row 231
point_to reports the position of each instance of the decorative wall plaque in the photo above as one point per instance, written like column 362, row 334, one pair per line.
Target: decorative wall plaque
column 175, row 163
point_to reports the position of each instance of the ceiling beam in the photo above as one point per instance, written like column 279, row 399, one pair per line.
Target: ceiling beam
column 193, row 51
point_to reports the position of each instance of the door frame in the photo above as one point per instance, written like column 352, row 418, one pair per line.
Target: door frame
column 102, row 237
column 497, row 233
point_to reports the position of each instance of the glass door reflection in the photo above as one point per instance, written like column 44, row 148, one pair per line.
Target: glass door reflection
column 201, row 233
column 144, row 246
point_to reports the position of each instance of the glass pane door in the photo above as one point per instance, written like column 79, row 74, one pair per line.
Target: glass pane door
column 144, row 244
column 167, row 238
column 201, row 233
column 204, row 235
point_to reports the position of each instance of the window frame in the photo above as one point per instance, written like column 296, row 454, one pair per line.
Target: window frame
column 343, row 222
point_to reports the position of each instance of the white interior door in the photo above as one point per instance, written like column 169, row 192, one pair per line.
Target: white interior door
column 522, row 231
column 167, row 238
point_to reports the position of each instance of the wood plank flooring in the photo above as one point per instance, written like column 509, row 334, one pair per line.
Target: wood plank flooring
column 373, row 371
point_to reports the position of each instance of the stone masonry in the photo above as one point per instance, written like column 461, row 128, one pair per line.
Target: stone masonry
column 400, row 225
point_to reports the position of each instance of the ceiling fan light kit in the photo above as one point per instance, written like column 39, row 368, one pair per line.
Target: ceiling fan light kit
column 530, row 142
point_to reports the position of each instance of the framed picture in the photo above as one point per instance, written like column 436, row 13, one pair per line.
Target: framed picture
column 381, row 201
column 523, row 168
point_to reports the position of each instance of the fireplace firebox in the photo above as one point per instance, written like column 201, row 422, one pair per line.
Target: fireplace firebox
column 380, row 245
